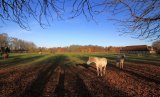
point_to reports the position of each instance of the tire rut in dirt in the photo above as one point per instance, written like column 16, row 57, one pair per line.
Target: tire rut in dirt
column 81, row 87
column 51, row 86
column 131, row 84
column 17, row 82
column 37, row 87
column 148, row 72
column 74, row 84
column 141, row 74
column 59, row 90
column 98, row 86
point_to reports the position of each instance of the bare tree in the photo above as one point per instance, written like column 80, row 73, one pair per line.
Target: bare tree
column 20, row 11
column 140, row 18
column 156, row 45
column 4, row 40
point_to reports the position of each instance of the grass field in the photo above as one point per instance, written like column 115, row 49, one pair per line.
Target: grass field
column 68, row 75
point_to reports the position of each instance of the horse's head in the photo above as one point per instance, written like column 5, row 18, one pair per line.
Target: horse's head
column 90, row 60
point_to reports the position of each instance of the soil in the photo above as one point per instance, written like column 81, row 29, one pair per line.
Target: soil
column 56, row 79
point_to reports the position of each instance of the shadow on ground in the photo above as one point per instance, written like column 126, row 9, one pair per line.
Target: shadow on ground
column 138, row 74
column 38, row 85
column 18, row 60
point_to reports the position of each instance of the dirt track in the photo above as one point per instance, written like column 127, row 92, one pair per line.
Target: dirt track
column 57, row 78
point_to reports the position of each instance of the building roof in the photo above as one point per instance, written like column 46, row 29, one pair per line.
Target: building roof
column 137, row 48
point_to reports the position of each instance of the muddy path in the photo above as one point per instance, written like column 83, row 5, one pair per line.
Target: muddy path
column 98, row 86
column 122, row 83
column 149, row 72
column 14, row 80
column 132, row 84
column 61, row 76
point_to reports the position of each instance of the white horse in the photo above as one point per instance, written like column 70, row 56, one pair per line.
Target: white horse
column 100, row 64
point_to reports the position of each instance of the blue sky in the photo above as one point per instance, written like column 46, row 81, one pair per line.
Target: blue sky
column 76, row 31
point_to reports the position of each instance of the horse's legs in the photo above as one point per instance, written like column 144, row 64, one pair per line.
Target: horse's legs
column 101, row 71
column 97, row 71
column 122, row 65
column 117, row 63
column 104, row 70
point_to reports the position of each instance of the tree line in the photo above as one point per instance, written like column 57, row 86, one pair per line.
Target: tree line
column 15, row 44
column 19, row 45
column 85, row 49
column 156, row 46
